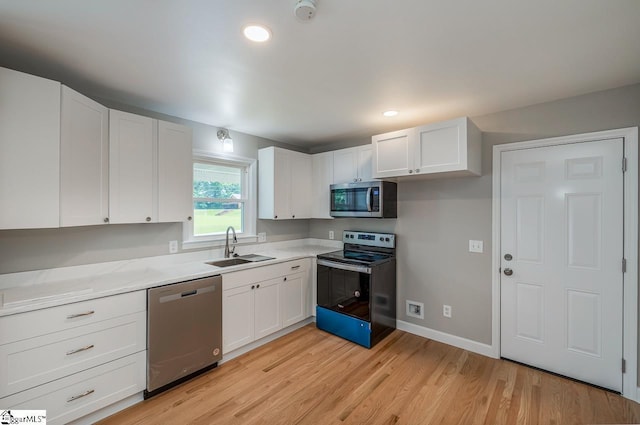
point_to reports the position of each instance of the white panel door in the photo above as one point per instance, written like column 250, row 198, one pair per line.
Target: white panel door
column 29, row 151
column 237, row 318
column 281, row 184
column 392, row 153
column 322, row 165
column 365, row 162
column 562, row 250
column 345, row 166
column 84, row 161
column 292, row 299
column 175, row 172
column 300, row 185
column 267, row 308
column 132, row 155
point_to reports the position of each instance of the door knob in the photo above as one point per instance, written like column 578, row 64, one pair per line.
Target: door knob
column 508, row 257
column 508, row 271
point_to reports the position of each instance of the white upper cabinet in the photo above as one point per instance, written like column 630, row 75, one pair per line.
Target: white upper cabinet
column 29, row 151
column 84, row 161
column 449, row 148
column 175, row 173
column 352, row 164
column 284, row 184
column 322, row 165
column 132, row 171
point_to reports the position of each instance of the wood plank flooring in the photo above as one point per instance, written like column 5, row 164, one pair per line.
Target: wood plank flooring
column 311, row 377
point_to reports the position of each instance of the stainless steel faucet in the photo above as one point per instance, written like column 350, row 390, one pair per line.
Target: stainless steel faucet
column 227, row 252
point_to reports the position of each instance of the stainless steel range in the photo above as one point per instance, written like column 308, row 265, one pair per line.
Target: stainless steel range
column 356, row 288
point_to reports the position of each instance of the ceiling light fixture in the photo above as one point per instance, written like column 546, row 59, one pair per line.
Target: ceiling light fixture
column 225, row 138
column 390, row 113
column 257, row 33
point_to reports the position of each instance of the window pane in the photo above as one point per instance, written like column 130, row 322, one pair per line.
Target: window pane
column 217, row 181
column 214, row 217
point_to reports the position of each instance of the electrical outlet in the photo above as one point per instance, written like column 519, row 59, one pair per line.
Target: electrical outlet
column 173, row 247
column 262, row 237
column 475, row 246
column 331, row 235
column 415, row 309
column 446, row 311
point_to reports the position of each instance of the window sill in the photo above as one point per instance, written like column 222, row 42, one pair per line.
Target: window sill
column 211, row 243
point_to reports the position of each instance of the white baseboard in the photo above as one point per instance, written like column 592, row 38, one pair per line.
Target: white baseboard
column 456, row 341
column 107, row 411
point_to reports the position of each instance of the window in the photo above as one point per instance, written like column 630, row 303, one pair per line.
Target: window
column 223, row 196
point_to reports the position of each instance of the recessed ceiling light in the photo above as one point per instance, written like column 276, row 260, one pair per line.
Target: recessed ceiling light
column 390, row 113
column 257, row 33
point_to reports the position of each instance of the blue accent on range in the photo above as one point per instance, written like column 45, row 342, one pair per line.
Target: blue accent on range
column 344, row 326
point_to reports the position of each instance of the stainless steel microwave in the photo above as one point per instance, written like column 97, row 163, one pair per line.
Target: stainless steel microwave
column 376, row 199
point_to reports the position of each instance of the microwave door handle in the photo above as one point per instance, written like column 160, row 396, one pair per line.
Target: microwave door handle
column 369, row 190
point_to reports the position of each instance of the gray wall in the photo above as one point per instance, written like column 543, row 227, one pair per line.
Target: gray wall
column 436, row 218
column 23, row 250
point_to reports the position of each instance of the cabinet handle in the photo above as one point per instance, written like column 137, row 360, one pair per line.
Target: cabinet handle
column 410, row 171
column 106, row 219
column 355, row 180
column 275, row 216
column 148, row 219
column 417, row 170
column 86, row 313
column 294, row 216
column 253, row 286
column 189, row 218
column 360, row 179
column 285, row 278
column 295, row 267
column 257, row 286
column 78, row 350
column 84, row 394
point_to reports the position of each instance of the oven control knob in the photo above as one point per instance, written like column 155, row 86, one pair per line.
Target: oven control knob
column 357, row 294
column 386, row 239
column 381, row 239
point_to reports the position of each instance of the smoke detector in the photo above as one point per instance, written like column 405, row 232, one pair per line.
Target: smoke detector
column 305, row 10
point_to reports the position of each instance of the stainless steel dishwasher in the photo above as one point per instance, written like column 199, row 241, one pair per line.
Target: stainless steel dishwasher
column 184, row 331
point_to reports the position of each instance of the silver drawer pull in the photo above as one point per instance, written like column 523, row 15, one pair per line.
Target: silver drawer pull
column 78, row 350
column 86, row 313
column 84, row 394
column 295, row 267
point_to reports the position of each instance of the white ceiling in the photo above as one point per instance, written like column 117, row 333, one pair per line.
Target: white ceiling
column 329, row 79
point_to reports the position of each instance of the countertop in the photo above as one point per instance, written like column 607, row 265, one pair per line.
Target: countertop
column 27, row 291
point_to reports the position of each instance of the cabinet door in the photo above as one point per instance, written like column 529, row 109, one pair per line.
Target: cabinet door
column 293, row 299
column 282, row 185
column 322, row 165
column 267, row 308
column 175, row 172
column 237, row 318
column 450, row 146
column 29, row 151
column 365, row 155
column 392, row 154
column 132, row 155
column 345, row 166
column 300, row 185
column 84, row 161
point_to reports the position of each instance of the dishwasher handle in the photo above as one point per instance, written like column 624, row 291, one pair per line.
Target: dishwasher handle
column 176, row 296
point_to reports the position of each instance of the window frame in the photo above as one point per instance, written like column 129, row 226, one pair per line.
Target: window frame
column 191, row 241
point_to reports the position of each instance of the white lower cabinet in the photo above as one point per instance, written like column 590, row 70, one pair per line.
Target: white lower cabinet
column 74, row 359
column 260, row 301
column 80, row 394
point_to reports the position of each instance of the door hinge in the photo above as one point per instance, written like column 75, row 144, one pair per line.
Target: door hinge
column 624, row 265
column 624, row 164
column 624, row 366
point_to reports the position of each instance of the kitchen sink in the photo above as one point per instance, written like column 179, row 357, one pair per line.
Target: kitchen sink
column 243, row 259
column 228, row 262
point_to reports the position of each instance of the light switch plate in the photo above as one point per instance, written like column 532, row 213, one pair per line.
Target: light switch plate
column 331, row 235
column 262, row 237
column 173, row 247
column 476, row 246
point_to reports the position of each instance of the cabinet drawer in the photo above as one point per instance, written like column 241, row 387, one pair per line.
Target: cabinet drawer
column 259, row 274
column 28, row 363
column 77, row 395
column 31, row 324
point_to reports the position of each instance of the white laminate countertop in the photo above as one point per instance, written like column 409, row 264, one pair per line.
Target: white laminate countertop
column 27, row 291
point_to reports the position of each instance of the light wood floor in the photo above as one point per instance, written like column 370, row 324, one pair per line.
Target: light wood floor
column 311, row 377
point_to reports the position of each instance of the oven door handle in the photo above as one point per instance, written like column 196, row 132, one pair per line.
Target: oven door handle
column 343, row 266
column 369, row 190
